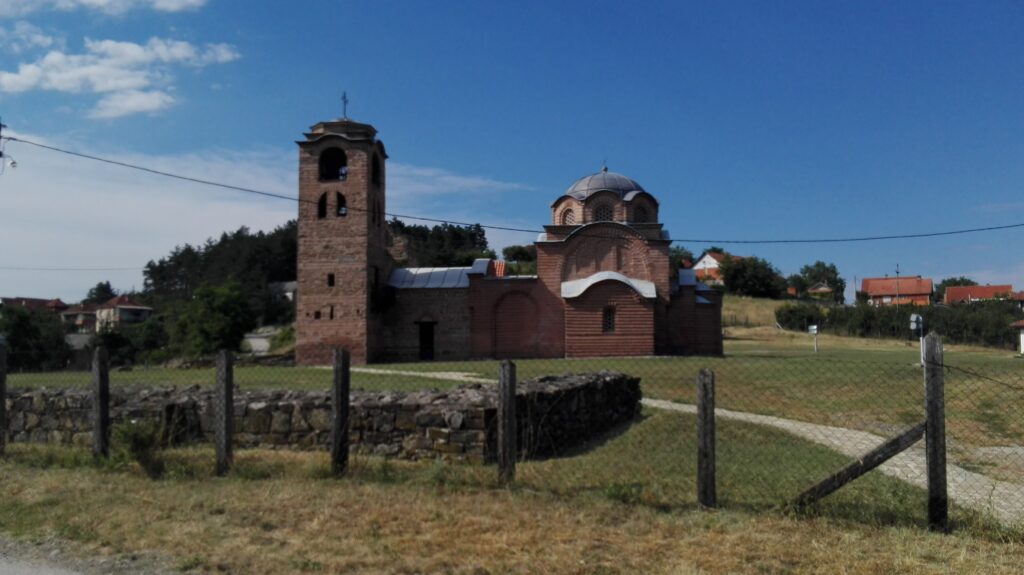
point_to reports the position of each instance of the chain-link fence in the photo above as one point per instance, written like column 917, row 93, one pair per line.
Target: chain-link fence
column 784, row 422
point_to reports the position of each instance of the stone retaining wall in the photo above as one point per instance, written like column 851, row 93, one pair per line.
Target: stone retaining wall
column 554, row 413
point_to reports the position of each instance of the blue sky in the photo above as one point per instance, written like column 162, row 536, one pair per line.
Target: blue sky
column 746, row 120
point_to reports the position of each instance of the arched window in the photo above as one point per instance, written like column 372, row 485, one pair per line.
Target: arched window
column 604, row 213
column 608, row 320
column 568, row 218
column 333, row 164
column 640, row 214
column 321, row 207
column 375, row 170
column 342, row 207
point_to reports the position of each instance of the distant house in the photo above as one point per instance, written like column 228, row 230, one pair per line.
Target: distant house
column 912, row 290
column 968, row 294
column 820, row 290
column 708, row 264
column 120, row 311
column 80, row 318
column 34, row 304
column 283, row 290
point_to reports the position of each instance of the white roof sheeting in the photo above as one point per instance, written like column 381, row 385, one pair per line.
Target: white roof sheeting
column 436, row 278
column 576, row 288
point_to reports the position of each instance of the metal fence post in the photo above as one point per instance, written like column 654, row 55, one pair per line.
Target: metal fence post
column 3, row 397
column 935, row 435
column 340, row 407
column 100, row 403
column 507, row 422
column 224, row 411
column 706, row 495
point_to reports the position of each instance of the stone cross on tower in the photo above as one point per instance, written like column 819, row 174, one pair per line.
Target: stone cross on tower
column 344, row 105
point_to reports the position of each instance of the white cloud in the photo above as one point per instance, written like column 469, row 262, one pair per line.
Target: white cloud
column 10, row 8
column 63, row 212
column 412, row 181
column 24, row 36
column 135, row 75
column 131, row 102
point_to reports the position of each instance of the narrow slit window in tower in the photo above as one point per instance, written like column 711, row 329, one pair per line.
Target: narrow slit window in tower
column 321, row 207
column 330, row 280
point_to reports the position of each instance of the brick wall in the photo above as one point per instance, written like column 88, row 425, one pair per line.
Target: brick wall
column 515, row 317
column 634, row 322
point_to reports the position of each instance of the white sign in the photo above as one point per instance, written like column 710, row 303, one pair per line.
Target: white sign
column 812, row 329
column 916, row 321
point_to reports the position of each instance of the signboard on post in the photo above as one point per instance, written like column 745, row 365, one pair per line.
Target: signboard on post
column 917, row 325
column 813, row 330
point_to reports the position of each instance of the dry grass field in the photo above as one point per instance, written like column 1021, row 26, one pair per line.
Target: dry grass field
column 278, row 513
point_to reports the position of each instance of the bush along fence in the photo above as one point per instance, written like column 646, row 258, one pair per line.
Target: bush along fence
column 760, row 432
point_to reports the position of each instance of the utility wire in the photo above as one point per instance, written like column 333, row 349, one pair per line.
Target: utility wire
column 35, row 269
column 852, row 239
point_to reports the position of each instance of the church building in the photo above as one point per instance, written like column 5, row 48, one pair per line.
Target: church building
column 604, row 285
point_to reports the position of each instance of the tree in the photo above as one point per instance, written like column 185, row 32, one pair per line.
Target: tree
column 34, row 339
column 217, row 318
column 677, row 255
column 940, row 289
column 798, row 283
column 821, row 272
column 444, row 245
column 521, row 260
column 253, row 260
column 100, row 293
column 520, row 253
column 751, row 276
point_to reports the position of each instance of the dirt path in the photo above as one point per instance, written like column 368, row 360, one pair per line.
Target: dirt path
column 1002, row 499
column 443, row 375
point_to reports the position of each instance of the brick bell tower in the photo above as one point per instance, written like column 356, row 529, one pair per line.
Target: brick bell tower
column 343, row 263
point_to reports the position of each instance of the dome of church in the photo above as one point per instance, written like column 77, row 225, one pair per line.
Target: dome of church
column 604, row 181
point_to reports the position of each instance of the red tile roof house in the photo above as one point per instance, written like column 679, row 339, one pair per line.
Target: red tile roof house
column 968, row 294
column 707, row 266
column 34, row 304
column 913, row 290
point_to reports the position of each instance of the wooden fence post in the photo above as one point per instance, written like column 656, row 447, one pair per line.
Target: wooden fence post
column 706, row 495
column 3, row 397
column 224, row 412
column 935, row 434
column 100, row 403
column 507, row 450
column 340, row 407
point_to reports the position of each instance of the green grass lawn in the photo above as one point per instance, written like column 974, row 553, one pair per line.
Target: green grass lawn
column 871, row 385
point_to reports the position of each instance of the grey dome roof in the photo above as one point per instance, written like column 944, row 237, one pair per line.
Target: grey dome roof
column 601, row 181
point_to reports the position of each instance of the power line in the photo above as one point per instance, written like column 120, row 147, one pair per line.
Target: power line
column 35, row 269
column 243, row 189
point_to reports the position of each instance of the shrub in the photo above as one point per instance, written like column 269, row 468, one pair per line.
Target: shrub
column 799, row 316
column 140, row 442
